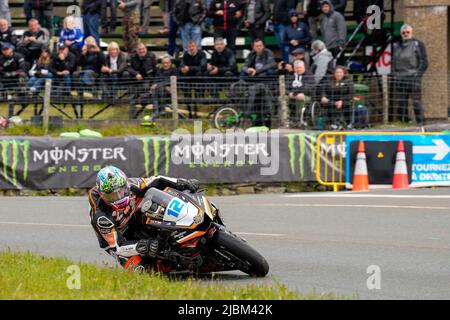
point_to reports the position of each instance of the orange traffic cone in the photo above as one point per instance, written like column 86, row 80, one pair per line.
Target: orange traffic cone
column 361, row 176
column 400, row 180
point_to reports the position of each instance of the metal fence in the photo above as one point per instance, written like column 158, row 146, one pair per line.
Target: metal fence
column 225, row 101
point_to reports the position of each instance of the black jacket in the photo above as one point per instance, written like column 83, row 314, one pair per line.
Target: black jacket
column 225, row 61
column 8, row 37
column 409, row 58
column 262, row 12
column 11, row 67
column 197, row 64
column 42, row 4
column 228, row 20
column 268, row 61
column 58, row 65
column 92, row 6
column 281, row 10
column 313, row 8
column 92, row 61
column 304, row 84
column 185, row 11
column 145, row 66
column 335, row 91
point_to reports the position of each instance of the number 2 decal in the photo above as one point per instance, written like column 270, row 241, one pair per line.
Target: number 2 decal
column 175, row 207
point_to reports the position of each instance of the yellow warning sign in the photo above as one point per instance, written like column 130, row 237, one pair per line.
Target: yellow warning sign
column 380, row 155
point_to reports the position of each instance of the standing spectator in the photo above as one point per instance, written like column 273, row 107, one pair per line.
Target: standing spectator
column 71, row 36
column 33, row 41
column 114, row 68
column 7, row 33
column 28, row 10
column 296, row 35
column 43, row 11
column 142, row 67
column 62, row 65
column 189, row 15
column 334, row 29
column 146, row 14
column 313, row 14
column 40, row 71
column 340, row 5
column 4, row 11
column 256, row 15
column 281, row 20
column 91, row 61
column 260, row 62
column 226, row 15
column 109, row 23
column 409, row 63
column 91, row 10
column 173, row 30
column 130, row 23
column 165, row 6
column 321, row 58
column 13, row 67
column 161, row 89
column 336, row 98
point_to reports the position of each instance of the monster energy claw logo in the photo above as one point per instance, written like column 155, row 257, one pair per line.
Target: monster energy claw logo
column 13, row 153
column 160, row 148
column 301, row 142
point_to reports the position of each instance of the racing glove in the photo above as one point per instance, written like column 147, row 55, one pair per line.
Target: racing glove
column 148, row 247
column 188, row 184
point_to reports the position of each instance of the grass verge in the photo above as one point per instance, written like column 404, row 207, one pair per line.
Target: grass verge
column 29, row 276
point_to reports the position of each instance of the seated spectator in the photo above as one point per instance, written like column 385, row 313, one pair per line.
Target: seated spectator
column 296, row 35
column 260, row 62
column 288, row 68
column 71, row 36
column 91, row 61
column 226, row 17
column 334, row 30
column 114, row 67
column 161, row 89
column 300, row 87
column 130, row 23
column 43, row 11
column 322, row 58
column 7, row 33
column 40, row 71
column 256, row 15
column 142, row 64
column 194, row 61
column 337, row 98
column 109, row 23
column 189, row 15
column 223, row 60
column 33, row 40
column 4, row 11
column 62, row 65
column 13, row 67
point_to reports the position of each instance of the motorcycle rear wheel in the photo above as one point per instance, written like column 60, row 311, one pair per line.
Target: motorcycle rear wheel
column 257, row 264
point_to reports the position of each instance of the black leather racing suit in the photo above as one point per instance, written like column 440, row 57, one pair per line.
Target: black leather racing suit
column 118, row 232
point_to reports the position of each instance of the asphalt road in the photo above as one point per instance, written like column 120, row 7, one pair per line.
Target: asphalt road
column 321, row 241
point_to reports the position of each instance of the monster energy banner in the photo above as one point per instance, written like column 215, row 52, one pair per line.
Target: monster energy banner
column 52, row 163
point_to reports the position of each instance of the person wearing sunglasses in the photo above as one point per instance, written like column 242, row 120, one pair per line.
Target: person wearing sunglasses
column 409, row 63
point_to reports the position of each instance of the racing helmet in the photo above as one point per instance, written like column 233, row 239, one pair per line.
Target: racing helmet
column 113, row 187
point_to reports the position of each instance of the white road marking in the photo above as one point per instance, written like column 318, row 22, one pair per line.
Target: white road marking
column 260, row 234
column 342, row 205
column 361, row 195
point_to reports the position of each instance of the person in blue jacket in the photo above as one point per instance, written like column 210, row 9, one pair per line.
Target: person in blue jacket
column 71, row 36
column 296, row 35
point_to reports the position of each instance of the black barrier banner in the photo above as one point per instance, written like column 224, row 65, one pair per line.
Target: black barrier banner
column 52, row 163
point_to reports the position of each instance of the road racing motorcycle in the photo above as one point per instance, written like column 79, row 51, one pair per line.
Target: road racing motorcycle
column 194, row 236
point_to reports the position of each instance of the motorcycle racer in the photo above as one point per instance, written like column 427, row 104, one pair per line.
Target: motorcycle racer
column 113, row 204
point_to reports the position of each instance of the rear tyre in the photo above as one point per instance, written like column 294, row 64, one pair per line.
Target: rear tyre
column 255, row 264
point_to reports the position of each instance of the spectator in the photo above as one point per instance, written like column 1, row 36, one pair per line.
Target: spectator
column 256, row 15
column 223, row 60
column 161, row 89
column 4, row 11
column 28, row 10
column 165, row 6
column 43, row 11
column 173, row 30
column 226, row 15
column 146, row 14
column 130, row 23
column 62, row 65
column 40, row 71
column 296, row 35
column 91, row 61
column 337, row 98
column 340, row 5
column 313, row 14
column 114, row 68
column 322, row 58
column 300, row 87
column 71, row 36
column 91, row 10
column 280, row 17
column 288, row 68
column 7, row 33
column 334, row 29
column 109, row 23
column 13, row 67
column 33, row 41
column 409, row 63
column 142, row 64
column 188, row 15
column 260, row 62
column 194, row 61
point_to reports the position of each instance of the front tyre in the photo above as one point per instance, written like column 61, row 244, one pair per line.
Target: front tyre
column 250, row 261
